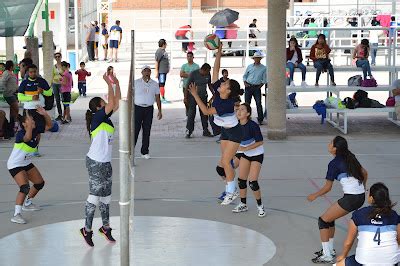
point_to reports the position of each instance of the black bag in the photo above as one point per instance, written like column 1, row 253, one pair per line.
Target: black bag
column 349, row 103
column 354, row 81
column 359, row 95
column 8, row 129
column 48, row 102
column 365, row 103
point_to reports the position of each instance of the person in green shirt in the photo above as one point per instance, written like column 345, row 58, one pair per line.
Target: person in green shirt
column 312, row 33
column 186, row 69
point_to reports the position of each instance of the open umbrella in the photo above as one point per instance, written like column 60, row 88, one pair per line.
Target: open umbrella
column 224, row 17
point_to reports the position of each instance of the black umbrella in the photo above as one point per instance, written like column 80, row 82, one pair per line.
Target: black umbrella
column 224, row 18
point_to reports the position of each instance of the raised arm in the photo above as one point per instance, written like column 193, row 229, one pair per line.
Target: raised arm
column 202, row 106
column 47, row 118
column 110, row 105
column 217, row 64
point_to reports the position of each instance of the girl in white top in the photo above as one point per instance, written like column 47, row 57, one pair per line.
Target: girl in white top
column 98, row 159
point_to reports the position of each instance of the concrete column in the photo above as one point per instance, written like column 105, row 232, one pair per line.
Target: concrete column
column 32, row 45
column 276, row 52
column 9, row 48
column 48, row 55
column 190, row 6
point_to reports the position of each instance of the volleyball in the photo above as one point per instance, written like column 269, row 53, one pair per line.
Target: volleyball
column 211, row 42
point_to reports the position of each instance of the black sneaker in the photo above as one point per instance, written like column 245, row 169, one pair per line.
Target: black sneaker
column 107, row 234
column 320, row 253
column 87, row 236
column 188, row 134
column 207, row 134
column 59, row 118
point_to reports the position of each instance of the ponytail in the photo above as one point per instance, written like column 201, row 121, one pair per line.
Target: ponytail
column 93, row 105
column 88, row 117
column 354, row 167
column 382, row 204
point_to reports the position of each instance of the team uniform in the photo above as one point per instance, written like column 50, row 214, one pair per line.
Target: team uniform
column 377, row 239
column 251, row 135
column 354, row 191
column 115, row 34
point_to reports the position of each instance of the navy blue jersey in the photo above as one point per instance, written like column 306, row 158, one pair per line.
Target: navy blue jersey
column 225, row 116
column 251, row 135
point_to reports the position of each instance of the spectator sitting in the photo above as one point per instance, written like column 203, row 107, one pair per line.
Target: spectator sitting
column 396, row 94
column 231, row 33
column 320, row 56
column 294, row 59
column 360, row 54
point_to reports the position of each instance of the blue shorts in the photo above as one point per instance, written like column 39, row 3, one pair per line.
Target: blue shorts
column 351, row 261
column 162, row 79
column 234, row 134
column 114, row 44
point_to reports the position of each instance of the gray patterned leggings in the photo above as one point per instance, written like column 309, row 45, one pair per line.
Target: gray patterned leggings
column 100, row 183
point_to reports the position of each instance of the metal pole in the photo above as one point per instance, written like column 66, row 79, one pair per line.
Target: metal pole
column 76, row 33
column 109, row 12
column 124, row 188
column 190, row 4
column 131, row 101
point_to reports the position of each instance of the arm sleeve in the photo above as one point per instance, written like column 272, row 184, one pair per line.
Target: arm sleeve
column 246, row 73
column 46, row 88
column 332, row 172
column 19, row 137
column 257, row 133
column 265, row 80
column 355, row 218
column 21, row 93
column 312, row 53
column 158, row 56
column 300, row 55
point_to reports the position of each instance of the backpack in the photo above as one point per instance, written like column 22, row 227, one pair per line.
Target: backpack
column 354, row 81
column 349, row 103
column 390, row 102
column 369, row 83
column 48, row 102
column 335, row 103
column 359, row 95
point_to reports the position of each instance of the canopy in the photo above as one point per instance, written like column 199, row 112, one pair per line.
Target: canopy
column 15, row 16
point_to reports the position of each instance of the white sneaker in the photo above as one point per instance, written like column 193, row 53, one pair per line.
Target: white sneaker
column 146, row 156
column 240, row 208
column 30, row 207
column 261, row 211
column 292, row 84
column 18, row 219
column 304, row 84
column 229, row 198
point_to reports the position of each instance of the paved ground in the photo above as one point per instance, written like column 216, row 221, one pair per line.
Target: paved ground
column 180, row 179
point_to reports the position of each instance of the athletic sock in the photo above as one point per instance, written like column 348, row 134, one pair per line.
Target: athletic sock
column 259, row 202
column 331, row 240
column 231, row 187
column 325, row 249
column 243, row 200
column 18, row 209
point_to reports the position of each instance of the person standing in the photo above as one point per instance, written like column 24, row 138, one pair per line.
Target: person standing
column 374, row 40
column 98, row 160
column 147, row 92
column 215, row 128
column 97, row 40
column 254, row 78
column 201, row 78
column 162, row 67
column 104, row 39
column 66, row 87
column 312, row 34
column 82, row 74
column 231, row 33
column 55, row 83
column 182, row 34
column 115, row 38
column 10, row 85
column 253, row 29
column 186, row 69
column 90, row 40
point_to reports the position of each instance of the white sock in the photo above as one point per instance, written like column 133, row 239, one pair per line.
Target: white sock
column 331, row 241
column 325, row 249
column 18, row 209
column 231, row 187
column 226, row 188
column 28, row 201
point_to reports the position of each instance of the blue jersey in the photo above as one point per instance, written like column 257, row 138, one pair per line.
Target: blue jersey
column 29, row 88
column 377, row 237
column 22, row 152
column 252, row 134
column 225, row 116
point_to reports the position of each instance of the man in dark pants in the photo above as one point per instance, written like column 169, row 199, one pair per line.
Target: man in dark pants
column 147, row 92
column 202, row 78
column 90, row 40
column 254, row 79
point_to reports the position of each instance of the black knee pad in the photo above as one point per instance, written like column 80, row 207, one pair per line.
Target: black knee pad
column 39, row 186
column 24, row 189
column 322, row 224
column 332, row 224
column 220, row 170
column 242, row 183
column 254, row 185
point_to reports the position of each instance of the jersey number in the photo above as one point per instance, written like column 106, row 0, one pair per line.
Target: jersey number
column 377, row 236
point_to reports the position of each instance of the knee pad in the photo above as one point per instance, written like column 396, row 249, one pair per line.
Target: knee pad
column 105, row 200
column 220, row 170
column 39, row 186
column 332, row 224
column 242, row 183
column 322, row 224
column 24, row 189
column 254, row 185
column 93, row 199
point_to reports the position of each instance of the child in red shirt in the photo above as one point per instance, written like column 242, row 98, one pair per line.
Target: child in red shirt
column 82, row 74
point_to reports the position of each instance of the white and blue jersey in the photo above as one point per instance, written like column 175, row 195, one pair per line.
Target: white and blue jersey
column 251, row 135
column 377, row 237
column 337, row 170
column 226, row 116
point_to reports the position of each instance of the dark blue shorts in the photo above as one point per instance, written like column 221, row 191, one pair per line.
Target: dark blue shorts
column 351, row 261
column 234, row 134
column 114, row 44
column 66, row 98
column 162, row 79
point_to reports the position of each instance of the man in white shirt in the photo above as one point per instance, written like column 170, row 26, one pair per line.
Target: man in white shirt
column 147, row 92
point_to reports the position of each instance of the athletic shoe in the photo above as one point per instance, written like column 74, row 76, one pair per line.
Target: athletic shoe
column 240, row 208
column 324, row 260
column 261, row 211
column 87, row 236
column 292, row 84
column 207, row 134
column 30, row 207
column 107, row 234
column 304, row 84
column 145, row 156
column 321, row 252
column 188, row 134
column 229, row 198
column 59, row 118
column 218, row 141
column 236, row 194
column 222, row 196
column 18, row 219
column 65, row 122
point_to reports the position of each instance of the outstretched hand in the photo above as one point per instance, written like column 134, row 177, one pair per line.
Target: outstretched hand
column 41, row 110
column 193, row 89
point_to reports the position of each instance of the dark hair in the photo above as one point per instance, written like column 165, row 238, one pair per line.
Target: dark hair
column 382, row 203
column 205, row 67
column 9, row 64
column 235, row 89
column 57, row 53
column 103, row 24
column 323, row 36
column 293, row 39
column 21, row 119
column 1, row 63
column 326, row 22
column 117, row 22
column 312, row 19
column 254, row 19
column 27, row 61
column 248, row 108
column 224, row 71
column 32, row 66
column 64, row 64
column 93, row 104
column 82, row 64
column 68, row 65
column 354, row 167
column 190, row 53
column 366, row 43
column 392, row 18
column 161, row 42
